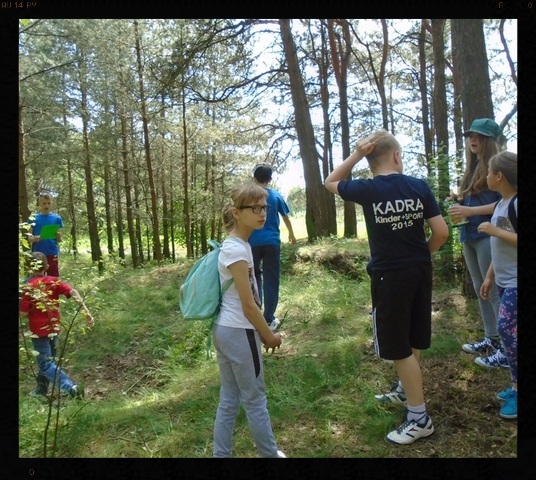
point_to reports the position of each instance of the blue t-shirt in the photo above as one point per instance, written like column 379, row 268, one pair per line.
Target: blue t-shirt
column 469, row 231
column 48, row 246
column 270, row 234
column 395, row 207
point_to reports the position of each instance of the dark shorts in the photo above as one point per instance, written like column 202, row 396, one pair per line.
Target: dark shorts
column 401, row 310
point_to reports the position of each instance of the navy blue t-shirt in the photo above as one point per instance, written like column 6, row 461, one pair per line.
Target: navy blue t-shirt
column 469, row 232
column 395, row 207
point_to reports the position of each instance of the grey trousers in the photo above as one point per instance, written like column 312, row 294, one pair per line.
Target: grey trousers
column 477, row 256
column 242, row 383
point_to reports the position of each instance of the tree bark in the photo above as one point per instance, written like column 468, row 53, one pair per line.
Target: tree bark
column 440, row 112
column 316, row 216
column 96, row 253
column 157, row 249
column 469, row 48
column 469, row 54
column 24, row 209
column 340, row 56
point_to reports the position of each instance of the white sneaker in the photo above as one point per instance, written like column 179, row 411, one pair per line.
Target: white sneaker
column 410, row 431
column 498, row 359
column 275, row 324
column 280, row 454
column 392, row 396
column 487, row 346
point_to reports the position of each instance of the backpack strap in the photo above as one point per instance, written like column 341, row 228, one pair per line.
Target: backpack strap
column 512, row 215
column 226, row 285
column 214, row 244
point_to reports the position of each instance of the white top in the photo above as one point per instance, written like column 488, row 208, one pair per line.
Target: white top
column 503, row 255
column 231, row 314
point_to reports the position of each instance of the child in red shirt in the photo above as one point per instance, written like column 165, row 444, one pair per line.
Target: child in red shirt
column 40, row 304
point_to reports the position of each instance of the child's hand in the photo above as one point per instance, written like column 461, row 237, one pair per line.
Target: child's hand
column 485, row 288
column 487, row 227
column 364, row 147
column 267, row 349
column 458, row 210
column 90, row 321
column 275, row 342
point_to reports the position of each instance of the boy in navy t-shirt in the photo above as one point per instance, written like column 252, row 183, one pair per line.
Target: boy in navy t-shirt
column 396, row 207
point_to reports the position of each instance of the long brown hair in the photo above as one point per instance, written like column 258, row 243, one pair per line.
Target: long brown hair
column 474, row 179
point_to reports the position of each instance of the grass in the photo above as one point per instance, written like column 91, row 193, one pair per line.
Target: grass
column 151, row 392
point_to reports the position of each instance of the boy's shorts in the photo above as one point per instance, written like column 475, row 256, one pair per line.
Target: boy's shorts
column 402, row 310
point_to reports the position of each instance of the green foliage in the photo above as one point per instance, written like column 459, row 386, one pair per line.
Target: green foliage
column 296, row 200
column 151, row 392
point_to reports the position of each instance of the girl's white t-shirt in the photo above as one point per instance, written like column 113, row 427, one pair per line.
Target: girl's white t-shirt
column 231, row 313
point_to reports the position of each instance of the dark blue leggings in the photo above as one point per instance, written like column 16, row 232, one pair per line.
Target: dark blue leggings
column 507, row 326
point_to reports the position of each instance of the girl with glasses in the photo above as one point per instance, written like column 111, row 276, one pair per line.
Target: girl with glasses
column 240, row 329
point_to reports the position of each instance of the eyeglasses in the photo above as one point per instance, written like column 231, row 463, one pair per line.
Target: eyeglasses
column 257, row 208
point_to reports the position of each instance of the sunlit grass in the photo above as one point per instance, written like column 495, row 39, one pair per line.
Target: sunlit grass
column 152, row 393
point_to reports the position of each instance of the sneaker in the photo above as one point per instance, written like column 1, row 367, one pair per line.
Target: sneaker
column 392, row 396
column 504, row 394
column 487, row 345
column 280, row 454
column 410, row 431
column 496, row 360
column 76, row 392
column 509, row 408
column 275, row 324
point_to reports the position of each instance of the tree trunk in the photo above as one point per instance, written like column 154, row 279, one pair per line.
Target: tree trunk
column 171, row 191
column 316, row 215
column 165, row 218
column 24, row 210
column 157, row 249
column 96, row 253
column 457, row 113
column 186, row 182
column 93, row 230
column 108, row 203
column 469, row 48
column 138, row 223
column 119, row 207
column 440, row 112
column 380, row 80
column 340, row 55
column 469, row 55
column 70, row 186
column 327, row 151
column 423, row 88
column 133, row 240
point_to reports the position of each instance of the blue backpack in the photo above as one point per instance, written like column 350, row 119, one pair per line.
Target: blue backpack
column 201, row 293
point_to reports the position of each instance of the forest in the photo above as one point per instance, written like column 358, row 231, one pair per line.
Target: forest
column 139, row 128
column 140, row 143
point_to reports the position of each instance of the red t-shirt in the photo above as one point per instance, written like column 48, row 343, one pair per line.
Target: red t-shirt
column 40, row 299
